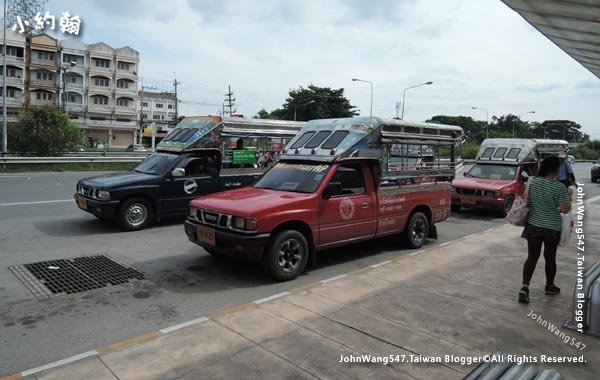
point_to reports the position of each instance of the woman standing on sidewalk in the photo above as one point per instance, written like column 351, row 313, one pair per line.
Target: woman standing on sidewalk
column 548, row 198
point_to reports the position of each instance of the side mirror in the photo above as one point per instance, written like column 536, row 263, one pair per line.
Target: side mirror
column 178, row 172
column 332, row 189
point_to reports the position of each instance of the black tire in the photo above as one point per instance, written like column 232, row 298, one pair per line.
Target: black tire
column 135, row 214
column 508, row 202
column 416, row 231
column 286, row 255
column 455, row 208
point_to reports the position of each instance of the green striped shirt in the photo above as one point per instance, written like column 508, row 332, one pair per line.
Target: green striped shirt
column 546, row 196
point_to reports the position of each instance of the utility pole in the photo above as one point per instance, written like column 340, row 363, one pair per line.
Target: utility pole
column 175, row 84
column 397, row 110
column 230, row 101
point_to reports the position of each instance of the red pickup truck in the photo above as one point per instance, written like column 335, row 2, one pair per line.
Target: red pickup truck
column 500, row 172
column 330, row 188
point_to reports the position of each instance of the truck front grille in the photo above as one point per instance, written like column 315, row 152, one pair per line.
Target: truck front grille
column 462, row 191
column 213, row 218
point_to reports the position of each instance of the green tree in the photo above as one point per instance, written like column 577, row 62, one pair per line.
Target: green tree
column 561, row 130
column 505, row 124
column 474, row 130
column 263, row 114
column 313, row 102
column 43, row 132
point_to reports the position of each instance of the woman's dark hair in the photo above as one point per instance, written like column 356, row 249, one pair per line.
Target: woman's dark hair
column 549, row 165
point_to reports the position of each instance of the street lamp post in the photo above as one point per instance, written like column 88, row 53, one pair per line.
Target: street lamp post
column 487, row 120
column 404, row 94
column 301, row 105
column 371, row 84
column 4, row 129
column 519, row 115
column 64, row 69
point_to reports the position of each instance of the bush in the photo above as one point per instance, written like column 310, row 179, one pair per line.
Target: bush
column 43, row 132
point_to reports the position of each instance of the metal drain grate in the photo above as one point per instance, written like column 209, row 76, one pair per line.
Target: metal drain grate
column 66, row 276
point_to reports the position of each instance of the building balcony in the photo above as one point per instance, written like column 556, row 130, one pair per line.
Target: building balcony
column 131, row 91
column 42, row 83
column 98, row 123
column 12, row 102
column 125, row 110
column 99, row 108
column 14, row 81
column 126, row 74
column 14, row 60
column 97, row 69
column 126, row 124
column 101, row 89
column 44, row 63
column 42, row 103
column 74, row 107
column 74, row 86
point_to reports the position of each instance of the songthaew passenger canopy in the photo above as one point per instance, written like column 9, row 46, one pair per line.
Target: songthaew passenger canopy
column 517, row 151
column 211, row 131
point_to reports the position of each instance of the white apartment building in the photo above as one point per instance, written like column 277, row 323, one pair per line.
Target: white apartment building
column 100, row 83
column 158, row 107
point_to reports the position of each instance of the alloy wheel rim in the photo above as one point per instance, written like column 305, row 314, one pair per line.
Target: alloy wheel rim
column 136, row 214
column 290, row 255
column 418, row 231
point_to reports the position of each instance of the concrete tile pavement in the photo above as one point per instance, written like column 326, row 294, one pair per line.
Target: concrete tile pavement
column 458, row 299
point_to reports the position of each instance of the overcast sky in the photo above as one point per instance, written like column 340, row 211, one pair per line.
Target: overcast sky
column 477, row 53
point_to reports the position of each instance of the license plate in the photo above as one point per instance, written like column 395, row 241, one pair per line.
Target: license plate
column 206, row 235
column 81, row 202
column 468, row 200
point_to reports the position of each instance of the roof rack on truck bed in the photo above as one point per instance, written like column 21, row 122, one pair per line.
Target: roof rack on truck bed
column 518, row 151
column 209, row 131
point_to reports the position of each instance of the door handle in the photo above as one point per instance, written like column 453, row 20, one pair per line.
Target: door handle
column 365, row 205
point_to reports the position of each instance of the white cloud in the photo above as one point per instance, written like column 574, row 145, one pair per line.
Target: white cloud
column 477, row 53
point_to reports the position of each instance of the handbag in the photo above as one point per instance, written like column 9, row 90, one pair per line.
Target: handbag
column 517, row 216
column 567, row 229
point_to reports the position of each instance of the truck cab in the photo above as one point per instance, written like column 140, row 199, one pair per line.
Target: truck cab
column 332, row 186
column 188, row 163
column 500, row 172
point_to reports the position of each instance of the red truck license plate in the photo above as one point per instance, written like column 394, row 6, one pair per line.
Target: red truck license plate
column 206, row 235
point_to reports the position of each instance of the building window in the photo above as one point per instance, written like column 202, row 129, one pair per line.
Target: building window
column 123, row 84
column 144, row 104
column 72, row 79
column 11, row 73
column 102, row 82
column 170, row 106
column 74, row 98
column 102, row 63
column 123, row 102
column 68, row 58
column 11, row 50
column 159, row 105
column 124, row 66
column 46, row 56
column 101, row 100
column 123, row 120
column 144, row 116
column 43, row 95
column 156, row 117
column 10, row 93
column 44, row 75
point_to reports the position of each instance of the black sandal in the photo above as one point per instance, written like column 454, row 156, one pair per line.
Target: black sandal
column 524, row 295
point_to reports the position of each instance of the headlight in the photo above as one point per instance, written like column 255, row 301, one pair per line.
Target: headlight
column 192, row 212
column 103, row 194
column 489, row 194
column 246, row 224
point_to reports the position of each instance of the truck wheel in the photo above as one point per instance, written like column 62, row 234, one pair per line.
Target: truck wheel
column 507, row 205
column 417, row 230
column 455, row 208
column 135, row 214
column 286, row 255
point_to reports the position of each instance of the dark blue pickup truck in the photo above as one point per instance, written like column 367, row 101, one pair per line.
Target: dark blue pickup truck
column 187, row 164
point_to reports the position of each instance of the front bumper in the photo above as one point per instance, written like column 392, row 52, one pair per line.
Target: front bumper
column 230, row 243
column 477, row 202
column 102, row 209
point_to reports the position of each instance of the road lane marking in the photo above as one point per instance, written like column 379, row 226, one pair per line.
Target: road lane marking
column 184, row 324
column 416, row 253
column 381, row 264
column 270, row 298
column 332, row 278
column 36, row 202
column 446, row 243
column 68, row 360
column 593, row 199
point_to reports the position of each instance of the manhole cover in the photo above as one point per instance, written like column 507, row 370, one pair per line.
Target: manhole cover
column 66, row 276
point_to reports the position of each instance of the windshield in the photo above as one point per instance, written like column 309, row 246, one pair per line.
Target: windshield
column 156, row 163
column 502, row 172
column 301, row 178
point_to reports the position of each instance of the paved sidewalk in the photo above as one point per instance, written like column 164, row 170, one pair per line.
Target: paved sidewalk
column 457, row 298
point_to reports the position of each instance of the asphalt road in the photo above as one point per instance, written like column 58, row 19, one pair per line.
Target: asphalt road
column 39, row 221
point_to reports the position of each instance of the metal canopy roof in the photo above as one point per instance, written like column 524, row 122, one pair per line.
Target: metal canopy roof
column 573, row 25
